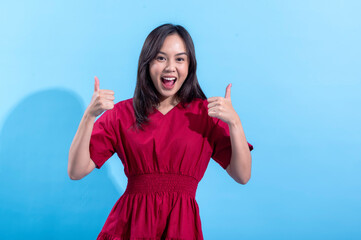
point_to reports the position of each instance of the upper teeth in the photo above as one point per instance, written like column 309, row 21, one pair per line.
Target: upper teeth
column 169, row 79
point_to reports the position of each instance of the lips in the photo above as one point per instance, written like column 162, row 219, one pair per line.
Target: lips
column 169, row 80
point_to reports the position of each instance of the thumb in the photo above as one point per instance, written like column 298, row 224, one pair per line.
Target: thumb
column 228, row 91
column 96, row 84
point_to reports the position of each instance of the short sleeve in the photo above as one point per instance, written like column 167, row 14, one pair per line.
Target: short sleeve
column 103, row 139
column 221, row 142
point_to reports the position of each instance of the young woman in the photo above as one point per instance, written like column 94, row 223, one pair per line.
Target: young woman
column 165, row 136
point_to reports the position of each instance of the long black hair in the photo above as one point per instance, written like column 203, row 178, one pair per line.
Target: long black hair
column 146, row 95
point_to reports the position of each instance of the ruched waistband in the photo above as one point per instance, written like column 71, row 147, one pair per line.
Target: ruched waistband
column 161, row 182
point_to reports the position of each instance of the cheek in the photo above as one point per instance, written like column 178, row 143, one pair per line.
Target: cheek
column 153, row 72
column 184, row 71
column 155, row 69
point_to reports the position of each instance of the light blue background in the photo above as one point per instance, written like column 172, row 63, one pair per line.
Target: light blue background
column 296, row 75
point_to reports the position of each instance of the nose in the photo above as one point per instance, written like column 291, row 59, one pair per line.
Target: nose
column 170, row 67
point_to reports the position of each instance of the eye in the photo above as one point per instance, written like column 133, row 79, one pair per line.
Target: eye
column 160, row 58
column 180, row 59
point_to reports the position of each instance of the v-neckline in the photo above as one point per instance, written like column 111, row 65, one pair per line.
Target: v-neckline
column 163, row 115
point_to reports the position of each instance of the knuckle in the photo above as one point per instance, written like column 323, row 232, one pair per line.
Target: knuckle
column 103, row 105
column 110, row 105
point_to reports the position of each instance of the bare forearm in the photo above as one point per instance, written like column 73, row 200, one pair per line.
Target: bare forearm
column 241, row 160
column 79, row 155
column 79, row 163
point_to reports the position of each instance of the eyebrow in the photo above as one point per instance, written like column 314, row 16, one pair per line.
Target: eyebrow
column 182, row 53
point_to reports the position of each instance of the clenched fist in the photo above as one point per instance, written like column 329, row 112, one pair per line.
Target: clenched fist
column 222, row 108
column 101, row 101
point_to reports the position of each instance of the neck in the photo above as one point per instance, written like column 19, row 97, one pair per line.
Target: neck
column 168, row 102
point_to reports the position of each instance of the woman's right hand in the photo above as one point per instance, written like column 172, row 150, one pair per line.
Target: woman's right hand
column 101, row 101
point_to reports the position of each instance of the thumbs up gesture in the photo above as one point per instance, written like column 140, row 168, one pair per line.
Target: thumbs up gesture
column 222, row 108
column 101, row 101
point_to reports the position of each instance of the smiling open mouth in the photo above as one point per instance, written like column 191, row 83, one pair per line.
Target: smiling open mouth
column 168, row 82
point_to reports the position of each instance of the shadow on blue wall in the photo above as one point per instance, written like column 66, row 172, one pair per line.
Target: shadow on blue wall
column 37, row 198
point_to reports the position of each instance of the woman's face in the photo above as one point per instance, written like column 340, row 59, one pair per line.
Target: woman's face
column 169, row 69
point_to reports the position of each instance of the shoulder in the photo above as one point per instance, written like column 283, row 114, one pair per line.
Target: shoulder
column 124, row 104
column 198, row 105
column 121, row 109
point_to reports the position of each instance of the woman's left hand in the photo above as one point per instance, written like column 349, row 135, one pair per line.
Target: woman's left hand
column 222, row 108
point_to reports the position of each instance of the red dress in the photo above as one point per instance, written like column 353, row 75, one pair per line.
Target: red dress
column 164, row 164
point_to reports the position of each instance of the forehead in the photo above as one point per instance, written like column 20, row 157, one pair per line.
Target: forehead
column 173, row 43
